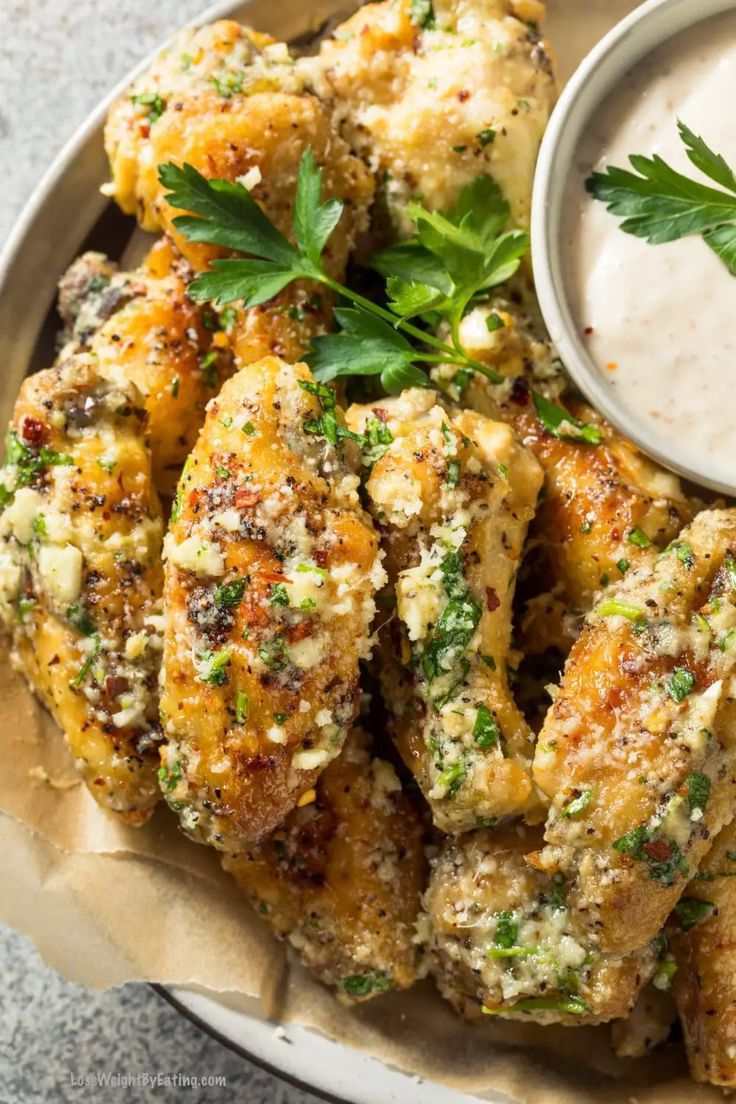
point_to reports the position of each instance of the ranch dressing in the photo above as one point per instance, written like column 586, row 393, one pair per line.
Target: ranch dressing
column 660, row 321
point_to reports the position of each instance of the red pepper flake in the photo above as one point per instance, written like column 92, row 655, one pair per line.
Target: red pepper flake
column 300, row 631
column 381, row 414
column 33, row 431
column 658, row 851
column 588, row 331
column 320, row 557
column 244, row 496
column 492, row 599
column 615, row 534
column 463, row 96
column 274, row 577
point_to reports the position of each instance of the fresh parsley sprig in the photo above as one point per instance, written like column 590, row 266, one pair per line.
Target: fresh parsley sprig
column 455, row 258
column 660, row 204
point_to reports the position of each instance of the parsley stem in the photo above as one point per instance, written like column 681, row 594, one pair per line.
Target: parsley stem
column 449, row 355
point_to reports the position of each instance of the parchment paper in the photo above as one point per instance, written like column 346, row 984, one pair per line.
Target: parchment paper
column 107, row 904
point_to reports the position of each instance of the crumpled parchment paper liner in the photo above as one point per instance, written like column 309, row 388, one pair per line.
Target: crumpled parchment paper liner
column 107, row 904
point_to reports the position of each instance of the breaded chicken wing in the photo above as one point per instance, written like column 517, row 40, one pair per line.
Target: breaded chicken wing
column 705, row 952
column 453, row 498
column 501, row 940
column 271, row 573
column 341, row 878
column 142, row 327
column 80, row 574
column 638, row 752
column 434, row 95
column 602, row 507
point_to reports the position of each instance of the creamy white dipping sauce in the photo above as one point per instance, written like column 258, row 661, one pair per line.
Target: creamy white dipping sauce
column 660, row 320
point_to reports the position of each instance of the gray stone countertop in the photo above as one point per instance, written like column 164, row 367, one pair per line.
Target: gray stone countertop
column 58, row 58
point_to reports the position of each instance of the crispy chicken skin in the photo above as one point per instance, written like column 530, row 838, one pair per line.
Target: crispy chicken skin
column 501, row 940
column 602, row 506
column 80, row 574
column 453, row 498
column 271, row 571
column 705, row 983
column 341, row 878
column 143, row 327
column 432, row 106
column 638, row 752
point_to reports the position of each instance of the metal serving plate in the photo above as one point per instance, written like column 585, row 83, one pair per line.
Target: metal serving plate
column 66, row 215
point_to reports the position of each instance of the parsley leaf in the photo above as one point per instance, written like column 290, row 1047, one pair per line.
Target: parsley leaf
column 360, row 985
column 659, row 204
column 691, row 910
column 563, row 425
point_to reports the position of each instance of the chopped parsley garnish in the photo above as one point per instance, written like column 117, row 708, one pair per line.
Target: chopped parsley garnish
column 573, row 1005
column 683, row 551
column 662, row 856
column 638, row 537
column 452, row 778
column 39, row 526
column 226, row 421
column 106, row 464
column 680, row 684
column 228, row 595
column 360, row 985
column 242, row 706
column 623, row 566
column 170, row 777
column 578, row 804
column 659, row 204
column 155, row 103
column 452, row 474
column 486, row 732
column 451, row 636
column 273, row 653
column 279, row 595
column 486, row 136
column 281, row 718
column 29, row 463
column 563, row 425
column 81, row 620
column 213, row 667
column 586, row 527
column 376, row 440
column 611, row 607
column 248, row 429
column 691, row 910
column 553, row 895
column 327, row 425
column 507, row 930
column 421, row 13
column 698, row 791
column 208, row 367
column 229, row 84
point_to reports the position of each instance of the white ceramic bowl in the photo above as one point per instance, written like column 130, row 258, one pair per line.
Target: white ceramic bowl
column 646, row 28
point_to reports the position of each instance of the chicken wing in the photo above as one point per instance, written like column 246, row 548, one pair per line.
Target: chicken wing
column 230, row 102
column 603, row 506
column 453, row 498
column 638, row 751
column 502, row 941
column 705, row 952
column 271, row 573
column 141, row 326
column 342, row 877
column 80, row 574
column 433, row 95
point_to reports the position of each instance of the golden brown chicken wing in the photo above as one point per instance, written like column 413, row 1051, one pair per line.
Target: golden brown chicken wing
column 142, row 327
column 638, row 752
column 433, row 95
column 230, row 102
column 453, row 497
column 80, row 574
column 502, row 941
column 705, row 952
column 603, row 505
column 271, row 573
column 341, row 878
